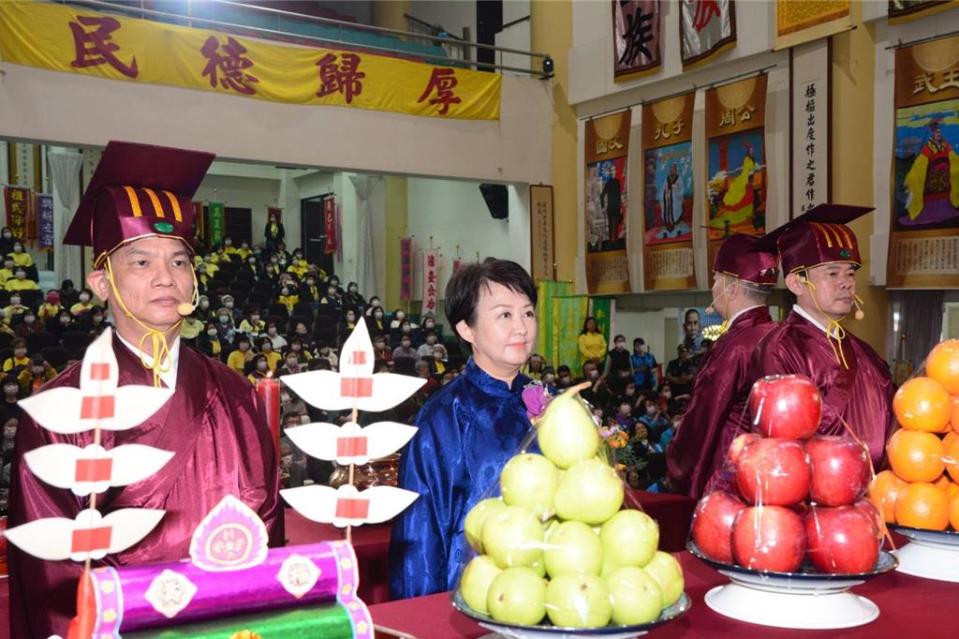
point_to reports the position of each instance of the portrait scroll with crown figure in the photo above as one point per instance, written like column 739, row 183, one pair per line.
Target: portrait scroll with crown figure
column 924, row 231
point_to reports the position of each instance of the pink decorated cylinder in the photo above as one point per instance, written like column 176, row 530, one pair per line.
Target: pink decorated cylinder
column 268, row 391
column 169, row 594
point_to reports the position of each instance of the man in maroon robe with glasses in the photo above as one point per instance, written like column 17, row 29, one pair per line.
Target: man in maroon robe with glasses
column 820, row 257
column 743, row 277
column 138, row 217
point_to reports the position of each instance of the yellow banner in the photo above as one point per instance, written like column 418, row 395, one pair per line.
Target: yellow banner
column 799, row 21
column 61, row 38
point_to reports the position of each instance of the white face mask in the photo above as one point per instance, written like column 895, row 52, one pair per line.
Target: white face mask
column 84, row 297
column 261, row 366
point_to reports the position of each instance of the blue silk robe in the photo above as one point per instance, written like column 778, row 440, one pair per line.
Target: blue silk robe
column 860, row 395
column 221, row 445
column 467, row 432
column 716, row 413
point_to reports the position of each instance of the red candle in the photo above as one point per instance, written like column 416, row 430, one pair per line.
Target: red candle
column 268, row 390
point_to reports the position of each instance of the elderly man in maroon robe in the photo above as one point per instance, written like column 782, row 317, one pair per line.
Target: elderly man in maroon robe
column 743, row 277
column 138, row 216
column 820, row 257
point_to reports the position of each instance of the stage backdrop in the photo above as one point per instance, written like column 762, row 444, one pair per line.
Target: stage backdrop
column 706, row 29
column 637, row 28
column 607, row 147
column 71, row 40
column 924, row 234
column 736, row 160
column 667, row 224
column 799, row 21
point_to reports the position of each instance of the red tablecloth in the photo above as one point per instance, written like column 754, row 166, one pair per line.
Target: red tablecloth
column 909, row 607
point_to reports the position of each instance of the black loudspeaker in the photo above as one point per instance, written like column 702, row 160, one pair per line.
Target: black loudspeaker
column 497, row 200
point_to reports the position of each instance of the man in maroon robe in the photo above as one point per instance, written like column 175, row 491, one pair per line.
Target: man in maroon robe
column 820, row 257
column 715, row 415
column 138, row 217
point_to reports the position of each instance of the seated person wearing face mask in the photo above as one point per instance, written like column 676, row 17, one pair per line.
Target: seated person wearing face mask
column 238, row 359
column 310, row 291
column 19, row 347
column 20, row 282
column 21, row 257
column 13, row 308
column 8, row 271
column 83, row 305
column 29, row 325
column 50, row 307
column 353, row 297
column 326, row 354
column 259, row 368
column 38, row 373
column 278, row 341
column 288, row 297
column 11, row 395
column 272, row 357
column 375, row 322
column 252, row 325
column 298, row 266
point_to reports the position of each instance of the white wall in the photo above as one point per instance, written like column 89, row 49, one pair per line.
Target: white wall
column 78, row 110
column 454, row 213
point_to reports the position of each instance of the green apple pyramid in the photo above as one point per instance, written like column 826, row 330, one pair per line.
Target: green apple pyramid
column 558, row 543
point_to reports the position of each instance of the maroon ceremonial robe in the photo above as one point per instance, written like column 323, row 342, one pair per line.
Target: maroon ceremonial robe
column 716, row 413
column 222, row 446
column 861, row 395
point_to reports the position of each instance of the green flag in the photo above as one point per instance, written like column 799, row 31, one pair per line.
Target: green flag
column 569, row 313
column 217, row 223
column 546, row 290
column 603, row 312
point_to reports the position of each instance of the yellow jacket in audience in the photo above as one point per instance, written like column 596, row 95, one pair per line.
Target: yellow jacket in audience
column 289, row 301
column 22, row 259
column 48, row 311
column 20, row 285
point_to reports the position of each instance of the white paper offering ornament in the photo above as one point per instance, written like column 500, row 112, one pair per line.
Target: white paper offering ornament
column 354, row 388
column 89, row 536
column 347, row 506
column 350, row 443
column 98, row 404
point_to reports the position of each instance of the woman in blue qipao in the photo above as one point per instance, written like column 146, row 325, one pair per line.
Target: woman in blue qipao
column 468, row 429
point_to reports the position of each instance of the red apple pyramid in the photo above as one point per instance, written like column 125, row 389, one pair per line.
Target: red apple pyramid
column 795, row 495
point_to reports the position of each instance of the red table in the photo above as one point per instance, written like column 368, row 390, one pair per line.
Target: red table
column 909, row 607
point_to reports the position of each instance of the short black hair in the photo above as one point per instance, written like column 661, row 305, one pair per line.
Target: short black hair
column 688, row 311
column 463, row 289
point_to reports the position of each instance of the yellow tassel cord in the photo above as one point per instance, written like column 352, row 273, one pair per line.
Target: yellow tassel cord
column 834, row 329
column 162, row 361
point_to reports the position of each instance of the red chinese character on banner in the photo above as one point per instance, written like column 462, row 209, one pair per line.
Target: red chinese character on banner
column 443, row 81
column 94, row 48
column 706, row 10
column 229, row 61
column 343, row 78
